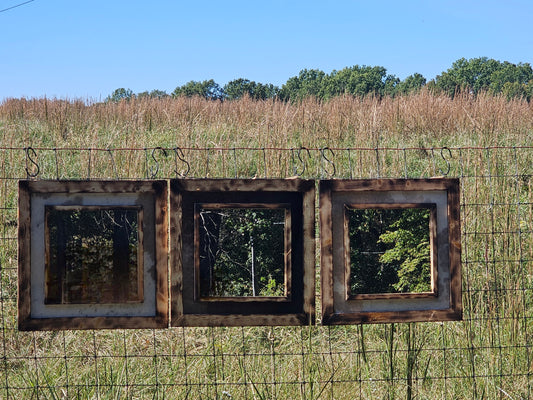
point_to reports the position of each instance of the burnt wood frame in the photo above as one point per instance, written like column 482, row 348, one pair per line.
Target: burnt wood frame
column 34, row 197
column 297, row 197
column 442, row 303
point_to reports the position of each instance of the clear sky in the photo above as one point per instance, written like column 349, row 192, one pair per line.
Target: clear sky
column 86, row 49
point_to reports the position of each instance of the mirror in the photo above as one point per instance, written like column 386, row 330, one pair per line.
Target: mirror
column 242, row 251
column 388, row 250
column 93, row 255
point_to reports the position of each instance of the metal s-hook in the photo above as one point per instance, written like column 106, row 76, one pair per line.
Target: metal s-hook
column 302, row 161
column 89, row 164
column 448, row 166
column 328, row 161
column 113, row 165
column 179, row 155
column 31, row 160
column 153, row 172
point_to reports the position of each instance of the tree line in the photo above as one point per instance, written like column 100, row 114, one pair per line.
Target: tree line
column 473, row 76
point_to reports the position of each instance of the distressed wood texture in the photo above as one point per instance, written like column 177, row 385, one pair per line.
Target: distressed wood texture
column 100, row 186
column 454, row 234
column 297, row 307
column 158, row 190
column 326, row 249
column 389, row 307
column 391, row 317
column 242, row 185
column 24, row 254
column 387, row 185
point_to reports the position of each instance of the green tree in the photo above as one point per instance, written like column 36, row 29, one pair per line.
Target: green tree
column 357, row 81
column 512, row 80
column 471, row 75
column 242, row 252
column 309, row 82
column 410, row 252
column 239, row 88
column 119, row 95
column 360, row 81
column 411, row 84
column 389, row 250
column 207, row 89
column 484, row 74
column 154, row 94
column 367, row 273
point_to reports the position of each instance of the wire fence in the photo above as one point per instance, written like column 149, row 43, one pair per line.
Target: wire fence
column 487, row 355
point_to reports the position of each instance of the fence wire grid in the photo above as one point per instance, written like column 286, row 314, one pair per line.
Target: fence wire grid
column 487, row 355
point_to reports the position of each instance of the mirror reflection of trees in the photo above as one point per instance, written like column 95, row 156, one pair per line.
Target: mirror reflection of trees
column 92, row 256
column 241, row 252
column 389, row 250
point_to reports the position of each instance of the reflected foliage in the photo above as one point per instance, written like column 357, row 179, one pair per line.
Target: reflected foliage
column 92, row 256
column 389, row 250
column 242, row 252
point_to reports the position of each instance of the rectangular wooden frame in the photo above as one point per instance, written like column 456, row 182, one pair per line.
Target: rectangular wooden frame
column 34, row 196
column 287, row 249
column 443, row 303
column 297, row 308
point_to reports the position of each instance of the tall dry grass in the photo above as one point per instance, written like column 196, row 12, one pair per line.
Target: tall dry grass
column 488, row 355
column 417, row 120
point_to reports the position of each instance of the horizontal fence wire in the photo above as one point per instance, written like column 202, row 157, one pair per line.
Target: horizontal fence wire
column 486, row 355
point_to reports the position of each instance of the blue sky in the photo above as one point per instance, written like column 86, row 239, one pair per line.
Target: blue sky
column 86, row 49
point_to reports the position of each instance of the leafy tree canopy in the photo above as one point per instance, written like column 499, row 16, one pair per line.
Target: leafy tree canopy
column 389, row 250
column 207, row 89
column 473, row 76
column 120, row 94
column 239, row 88
column 485, row 74
column 360, row 81
column 307, row 83
column 154, row 94
column 413, row 83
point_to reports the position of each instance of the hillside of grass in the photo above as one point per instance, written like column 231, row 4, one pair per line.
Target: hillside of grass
column 416, row 120
column 488, row 355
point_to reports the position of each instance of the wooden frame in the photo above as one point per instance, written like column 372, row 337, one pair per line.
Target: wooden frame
column 442, row 302
column 148, row 200
column 296, row 306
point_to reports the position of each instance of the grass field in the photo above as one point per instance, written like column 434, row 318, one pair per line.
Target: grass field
column 485, row 141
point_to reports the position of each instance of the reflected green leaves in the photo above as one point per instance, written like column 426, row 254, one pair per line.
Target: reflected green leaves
column 389, row 250
column 241, row 252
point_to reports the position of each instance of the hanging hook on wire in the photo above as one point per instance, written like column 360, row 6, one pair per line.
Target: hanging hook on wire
column 57, row 163
column 448, row 166
column 328, row 161
column 153, row 171
column 110, row 152
column 378, row 163
column 89, row 163
column 31, row 159
column 264, row 161
column 302, row 161
column 180, row 156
